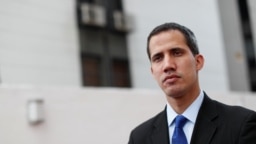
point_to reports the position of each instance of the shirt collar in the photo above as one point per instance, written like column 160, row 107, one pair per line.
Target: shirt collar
column 190, row 113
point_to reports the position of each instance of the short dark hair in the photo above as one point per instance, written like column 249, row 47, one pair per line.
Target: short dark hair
column 188, row 34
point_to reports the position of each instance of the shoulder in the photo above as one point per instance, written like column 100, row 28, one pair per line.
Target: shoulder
column 144, row 129
column 232, row 113
column 238, row 121
column 223, row 114
column 149, row 124
column 221, row 108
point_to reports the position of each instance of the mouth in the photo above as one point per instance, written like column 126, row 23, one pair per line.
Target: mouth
column 171, row 78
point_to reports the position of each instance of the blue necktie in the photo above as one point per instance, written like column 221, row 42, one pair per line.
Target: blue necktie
column 178, row 136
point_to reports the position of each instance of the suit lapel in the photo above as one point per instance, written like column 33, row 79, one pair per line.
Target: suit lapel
column 206, row 123
column 160, row 134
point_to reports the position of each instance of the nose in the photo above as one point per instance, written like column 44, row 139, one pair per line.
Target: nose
column 169, row 65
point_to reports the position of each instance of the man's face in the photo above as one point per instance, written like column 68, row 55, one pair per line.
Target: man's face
column 173, row 65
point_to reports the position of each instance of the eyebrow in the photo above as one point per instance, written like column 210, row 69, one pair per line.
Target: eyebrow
column 156, row 54
column 174, row 49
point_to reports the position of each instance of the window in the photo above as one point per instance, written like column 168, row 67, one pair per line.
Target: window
column 120, row 73
column 91, row 71
column 104, row 57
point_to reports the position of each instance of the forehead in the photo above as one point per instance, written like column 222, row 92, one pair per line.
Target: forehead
column 167, row 37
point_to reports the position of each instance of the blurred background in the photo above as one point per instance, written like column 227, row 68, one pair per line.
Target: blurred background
column 76, row 71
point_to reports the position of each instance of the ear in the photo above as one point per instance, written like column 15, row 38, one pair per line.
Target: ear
column 199, row 62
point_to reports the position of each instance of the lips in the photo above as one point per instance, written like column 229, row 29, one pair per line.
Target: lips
column 171, row 78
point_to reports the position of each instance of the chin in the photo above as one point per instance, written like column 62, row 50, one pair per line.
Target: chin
column 173, row 92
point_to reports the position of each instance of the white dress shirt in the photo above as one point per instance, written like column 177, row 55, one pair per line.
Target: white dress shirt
column 190, row 113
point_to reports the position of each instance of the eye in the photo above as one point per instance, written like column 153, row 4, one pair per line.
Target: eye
column 177, row 52
column 156, row 58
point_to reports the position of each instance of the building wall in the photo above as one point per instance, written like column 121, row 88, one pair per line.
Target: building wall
column 252, row 10
column 38, row 43
column 234, row 48
column 86, row 116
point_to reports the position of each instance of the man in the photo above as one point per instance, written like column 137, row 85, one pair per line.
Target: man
column 175, row 62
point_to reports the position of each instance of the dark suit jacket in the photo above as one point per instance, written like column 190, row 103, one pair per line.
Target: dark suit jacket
column 216, row 123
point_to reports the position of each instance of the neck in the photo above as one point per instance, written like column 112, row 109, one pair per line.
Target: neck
column 181, row 103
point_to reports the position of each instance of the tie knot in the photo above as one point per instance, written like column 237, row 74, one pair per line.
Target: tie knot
column 180, row 121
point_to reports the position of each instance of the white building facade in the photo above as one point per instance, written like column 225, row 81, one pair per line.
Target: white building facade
column 40, row 42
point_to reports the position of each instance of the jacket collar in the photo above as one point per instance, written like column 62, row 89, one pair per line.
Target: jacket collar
column 206, row 123
column 160, row 134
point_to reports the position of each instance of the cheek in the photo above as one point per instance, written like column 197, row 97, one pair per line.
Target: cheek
column 188, row 67
column 156, row 72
